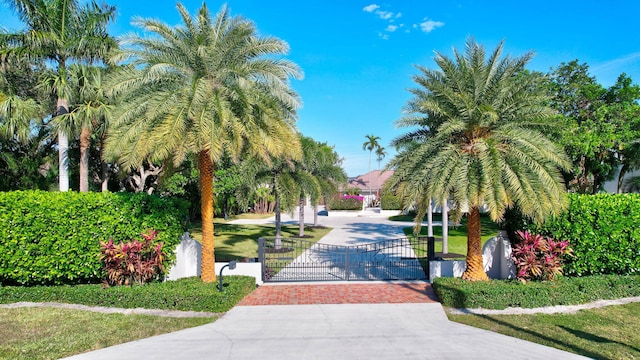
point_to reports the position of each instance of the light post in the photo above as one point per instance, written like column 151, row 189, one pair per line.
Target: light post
column 231, row 265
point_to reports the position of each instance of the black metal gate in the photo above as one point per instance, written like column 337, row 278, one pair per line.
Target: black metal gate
column 303, row 260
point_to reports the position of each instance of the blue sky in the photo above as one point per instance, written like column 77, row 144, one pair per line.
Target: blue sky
column 358, row 56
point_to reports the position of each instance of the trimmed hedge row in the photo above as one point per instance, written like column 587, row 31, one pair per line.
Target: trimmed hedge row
column 391, row 202
column 344, row 203
column 189, row 294
column 54, row 237
column 501, row 294
column 604, row 231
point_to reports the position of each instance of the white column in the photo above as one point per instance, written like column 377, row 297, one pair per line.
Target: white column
column 430, row 219
column 445, row 227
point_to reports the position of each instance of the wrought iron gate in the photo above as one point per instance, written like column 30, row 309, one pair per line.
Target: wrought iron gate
column 303, row 260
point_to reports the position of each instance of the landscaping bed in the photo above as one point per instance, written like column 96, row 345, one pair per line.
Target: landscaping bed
column 189, row 294
column 501, row 294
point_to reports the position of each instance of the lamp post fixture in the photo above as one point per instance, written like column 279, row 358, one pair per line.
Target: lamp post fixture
column 231, row 265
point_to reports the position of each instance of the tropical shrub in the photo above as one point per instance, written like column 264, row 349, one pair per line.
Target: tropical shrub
column 345, row 202
column 134, row 262
column 54, row 237
column 539, row 258
column 352, row 191
column 391, row 202
column 604, row 231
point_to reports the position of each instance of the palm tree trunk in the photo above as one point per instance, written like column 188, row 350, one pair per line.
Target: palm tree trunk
column 623, row 172
column 85, row 143
column 207, row 270
column 105, row 177
column 315, row 215
column 475, row 266
column 301, row 218
column 63, row 149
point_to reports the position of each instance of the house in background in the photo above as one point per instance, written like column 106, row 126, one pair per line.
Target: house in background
column 370, row 184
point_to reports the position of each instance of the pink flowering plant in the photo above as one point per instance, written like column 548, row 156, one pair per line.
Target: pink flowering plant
column 539, row 258
column 134, row 262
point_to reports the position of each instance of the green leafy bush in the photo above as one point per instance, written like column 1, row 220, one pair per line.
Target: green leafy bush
column 391, row 202
column 189, row 294
column 604, row 231
column 54, row 237
column 347, row 202
column 501, row 294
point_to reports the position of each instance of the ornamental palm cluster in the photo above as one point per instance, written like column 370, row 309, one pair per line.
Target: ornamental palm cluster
column 476, row 141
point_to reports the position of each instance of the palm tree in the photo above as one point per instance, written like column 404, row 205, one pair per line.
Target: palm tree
column 211, row 87
column 370, row 145
column 90, row 110
column 318, row 173
column 478, row 143
column 380, row 154
column 327, row 169
column 62, row 31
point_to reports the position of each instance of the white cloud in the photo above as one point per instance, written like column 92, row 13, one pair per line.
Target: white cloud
column 383, row 36
column 391, row 28
column 384, row 15
column 371, row 8
column 429, row 25
column 398, row 15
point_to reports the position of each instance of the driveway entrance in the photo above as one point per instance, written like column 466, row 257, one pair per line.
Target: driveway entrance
column 302, row 260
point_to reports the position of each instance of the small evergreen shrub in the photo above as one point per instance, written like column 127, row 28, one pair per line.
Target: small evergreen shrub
column 54, row 237
column 539, row 258
column 391, row 202
column 345, row 202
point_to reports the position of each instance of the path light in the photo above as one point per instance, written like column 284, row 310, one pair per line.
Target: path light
column 231, row 265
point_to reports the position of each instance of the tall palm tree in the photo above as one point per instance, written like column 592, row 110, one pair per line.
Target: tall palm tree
column 211, row 87
column 478, row 143
column 327, row 169
column 370, row 145
column 318, row 173
column 62, row 31
column 90, row 111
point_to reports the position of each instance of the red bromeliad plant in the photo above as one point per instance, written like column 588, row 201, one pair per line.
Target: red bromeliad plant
column 539, row 258
column 133, row 262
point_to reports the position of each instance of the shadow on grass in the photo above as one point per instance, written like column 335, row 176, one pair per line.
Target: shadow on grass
column 596, row 338
column 237, row 236
column 562, row 345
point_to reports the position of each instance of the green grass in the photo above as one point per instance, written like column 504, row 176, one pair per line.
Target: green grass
column 250, row 216
column 237, row 242
column 611, row 332
column 51, row 333
column 457, row 239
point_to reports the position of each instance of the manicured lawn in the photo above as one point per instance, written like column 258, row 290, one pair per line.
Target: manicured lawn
column 611, row 332
column 51, row 333
column 457, row 240
column 237, row 242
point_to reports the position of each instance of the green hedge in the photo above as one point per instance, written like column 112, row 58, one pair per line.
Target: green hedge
column 189, row 294
column 341, row 203
column 604, row 231
column 391, row 202
column 54, row 237
column 500, row 294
